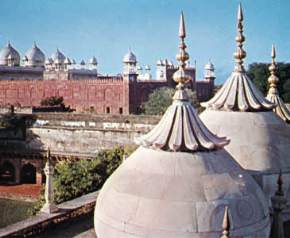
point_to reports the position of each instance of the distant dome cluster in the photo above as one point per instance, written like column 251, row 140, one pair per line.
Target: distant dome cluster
column 34, row 57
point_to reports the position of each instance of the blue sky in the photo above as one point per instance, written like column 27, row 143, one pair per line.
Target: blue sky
column 107, row 28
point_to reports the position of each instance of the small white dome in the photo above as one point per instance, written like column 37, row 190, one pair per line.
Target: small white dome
column 130, row 57
column 34, row 57
column 93, row 61
column 159, row 62
column 48, row 61
column 67, row 61
column 209, row 66
column 139, row 67
column 147, row 67
column 170, row 63
column 14, row 55
column 58, row 57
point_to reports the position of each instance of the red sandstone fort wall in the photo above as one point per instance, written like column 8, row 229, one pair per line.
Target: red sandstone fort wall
column 102, row 96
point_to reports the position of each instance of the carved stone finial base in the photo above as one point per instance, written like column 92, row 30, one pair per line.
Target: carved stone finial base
column 49, row 208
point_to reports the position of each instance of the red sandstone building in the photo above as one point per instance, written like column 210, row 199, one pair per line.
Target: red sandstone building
column 82, row 87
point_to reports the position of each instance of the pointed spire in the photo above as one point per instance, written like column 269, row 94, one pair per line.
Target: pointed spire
column 180, row 76
column 279, row 202
column 240, row 54
column 239, row 92
column 273, row 94
column 226, row 224
column 240, row 13
column 180, row 128
column 182, row 32
column 273, row 79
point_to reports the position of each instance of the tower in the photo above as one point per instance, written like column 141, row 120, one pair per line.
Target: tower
column 130, row 63
column 209, row 74
column 129, row 82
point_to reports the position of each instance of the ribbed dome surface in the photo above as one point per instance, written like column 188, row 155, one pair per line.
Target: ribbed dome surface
column 239, row 94
column 259, row 138
column 9, row 52
column 281, row 109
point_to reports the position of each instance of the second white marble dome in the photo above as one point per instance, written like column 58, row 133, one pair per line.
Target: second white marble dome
column 34, row 57
column 160, row 194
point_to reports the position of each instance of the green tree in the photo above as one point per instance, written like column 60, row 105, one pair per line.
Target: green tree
column 52, row 101
column 160, row 99
column 259, row 72
column 76, row 178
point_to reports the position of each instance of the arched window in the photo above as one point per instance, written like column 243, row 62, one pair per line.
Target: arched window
column 7, row 172
column 28, row 174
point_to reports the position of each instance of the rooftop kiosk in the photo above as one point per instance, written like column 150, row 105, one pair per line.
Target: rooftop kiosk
column 179, row 181
column 260, row 140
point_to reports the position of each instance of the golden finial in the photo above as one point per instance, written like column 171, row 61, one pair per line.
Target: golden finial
column 240, row 54
column 273, row 79
column 180, row 76
column 226, row 224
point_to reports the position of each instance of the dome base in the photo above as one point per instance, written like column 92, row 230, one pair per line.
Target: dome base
column 176, row 194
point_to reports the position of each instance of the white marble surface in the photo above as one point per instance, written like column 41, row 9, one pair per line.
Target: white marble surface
column 156, row 194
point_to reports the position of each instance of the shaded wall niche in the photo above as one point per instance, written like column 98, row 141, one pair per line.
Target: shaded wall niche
column 28, row 174
column 7, row 173
column 20, row 163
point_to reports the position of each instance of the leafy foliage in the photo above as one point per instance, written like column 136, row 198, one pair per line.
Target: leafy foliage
column 76, row 178
column 52, row 101
column 160, row 99
column 259, row 72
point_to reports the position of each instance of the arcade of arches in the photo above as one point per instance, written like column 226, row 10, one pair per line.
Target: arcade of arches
column 25, row 171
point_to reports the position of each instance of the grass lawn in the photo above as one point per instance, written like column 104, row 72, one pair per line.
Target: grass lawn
column 13, row 211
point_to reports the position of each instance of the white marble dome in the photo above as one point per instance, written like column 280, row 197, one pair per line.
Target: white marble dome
column 163, row 194
column 9, row 56
column 93, row 61
column 209, row 66
column 130, row 57
column 34, row 57
column 260, row 140
column 58, row 57
column 179, row 181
